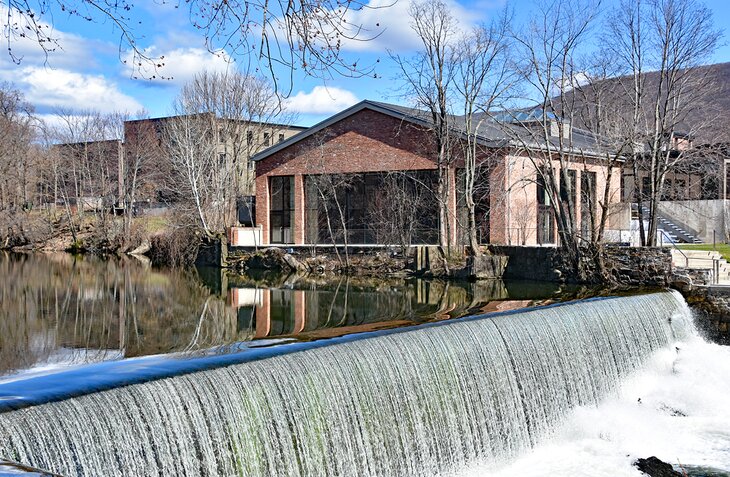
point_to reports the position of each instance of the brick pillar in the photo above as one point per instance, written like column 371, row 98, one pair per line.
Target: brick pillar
column 299, row 209
column 262, row 207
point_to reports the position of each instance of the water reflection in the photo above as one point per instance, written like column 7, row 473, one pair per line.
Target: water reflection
column 311, row 309
column 60, row 310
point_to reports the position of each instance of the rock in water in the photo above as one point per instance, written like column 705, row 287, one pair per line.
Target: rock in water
column 656, row 468
column 143, row 248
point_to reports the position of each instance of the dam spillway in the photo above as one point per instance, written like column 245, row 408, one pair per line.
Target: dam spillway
column 420, row 401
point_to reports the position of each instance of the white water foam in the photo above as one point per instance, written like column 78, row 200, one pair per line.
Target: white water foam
column 676, row 408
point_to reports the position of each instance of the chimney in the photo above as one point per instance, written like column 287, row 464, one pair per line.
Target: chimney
column 557, row 129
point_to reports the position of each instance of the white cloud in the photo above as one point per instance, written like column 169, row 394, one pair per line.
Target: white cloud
column 58, row 88
column 71, row 50
column 387, row 25
column 321, row 100
column 179, row 64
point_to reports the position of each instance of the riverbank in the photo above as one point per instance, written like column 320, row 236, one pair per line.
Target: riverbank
column 90, row 233
column 165, row 244
column 416, row 261
column 610, row 266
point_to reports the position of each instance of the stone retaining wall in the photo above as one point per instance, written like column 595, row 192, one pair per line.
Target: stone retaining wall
column 712, row 309
column 624, row 266
column 639, row 266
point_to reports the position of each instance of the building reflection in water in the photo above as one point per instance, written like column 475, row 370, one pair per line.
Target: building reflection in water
column 57, row 310
column 311, row 309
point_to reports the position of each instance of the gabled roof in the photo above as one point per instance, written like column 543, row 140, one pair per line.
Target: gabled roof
column 487, row 135
column 487, row 131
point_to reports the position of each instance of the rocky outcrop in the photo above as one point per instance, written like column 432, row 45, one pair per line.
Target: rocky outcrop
column 654, row 467
column 272, row 259
column 142, row 249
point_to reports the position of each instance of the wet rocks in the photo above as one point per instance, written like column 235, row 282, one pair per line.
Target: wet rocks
column 274, row 259
column 655, row 467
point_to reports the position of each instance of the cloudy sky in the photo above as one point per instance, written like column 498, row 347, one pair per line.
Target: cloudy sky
column 89, row 70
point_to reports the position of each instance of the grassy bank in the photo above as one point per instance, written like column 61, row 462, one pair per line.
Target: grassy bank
column 723, row 248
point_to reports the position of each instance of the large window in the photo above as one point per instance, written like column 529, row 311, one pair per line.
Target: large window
column 587, row 203
column 281, row 215
column 545, row 222
column 646, row 188
column 481, row 206
column 397, row 208
column 570, row 194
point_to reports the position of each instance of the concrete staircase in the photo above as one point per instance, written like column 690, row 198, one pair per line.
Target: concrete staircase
column 668, row 230
column 675, row 232
column 702, row 260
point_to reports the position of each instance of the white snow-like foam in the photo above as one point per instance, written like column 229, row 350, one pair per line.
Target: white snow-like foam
column 676, row 408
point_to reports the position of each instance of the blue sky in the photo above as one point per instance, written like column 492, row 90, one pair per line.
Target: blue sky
column 88, row 73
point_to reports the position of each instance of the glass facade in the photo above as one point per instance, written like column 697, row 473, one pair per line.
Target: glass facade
column 281, row 214
column 372, row 208
column 545, row 222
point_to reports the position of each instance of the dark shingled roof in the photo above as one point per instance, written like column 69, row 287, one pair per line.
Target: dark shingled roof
column 488, row 131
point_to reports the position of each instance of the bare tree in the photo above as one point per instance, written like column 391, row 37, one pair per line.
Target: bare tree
column 398, row 208
column 483, row 77
column 141, row 169
column 330, row 199
column 224, row 119
column 428, row 77
column 250, row 118
column 89, row 149
column 199, row 179
column 16, row 137
column 658, row 44
column 303, row 34
column 551, row 46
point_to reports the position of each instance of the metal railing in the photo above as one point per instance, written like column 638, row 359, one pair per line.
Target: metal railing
column 673, row 244
column 714, row 262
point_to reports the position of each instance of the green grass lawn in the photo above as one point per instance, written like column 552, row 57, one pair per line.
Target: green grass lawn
column 723, row 248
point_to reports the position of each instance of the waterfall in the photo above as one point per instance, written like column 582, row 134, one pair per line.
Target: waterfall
column 421, row 401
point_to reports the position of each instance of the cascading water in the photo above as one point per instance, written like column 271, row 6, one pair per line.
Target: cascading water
column 420, row 401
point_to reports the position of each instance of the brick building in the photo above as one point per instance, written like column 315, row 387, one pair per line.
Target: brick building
column 99, row 174
column 235, row 141
column 352, row 179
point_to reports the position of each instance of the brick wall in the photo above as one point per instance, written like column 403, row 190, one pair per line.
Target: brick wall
column 367, row 141
column 370, row 141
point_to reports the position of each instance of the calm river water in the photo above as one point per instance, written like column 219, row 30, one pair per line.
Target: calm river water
column 59, row 310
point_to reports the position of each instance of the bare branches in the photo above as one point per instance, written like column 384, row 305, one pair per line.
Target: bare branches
column 223, row 120
column 658, row 45
column 307, row 35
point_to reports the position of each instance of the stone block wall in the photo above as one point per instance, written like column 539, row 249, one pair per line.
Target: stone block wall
column 639, row 266
column 624, row 266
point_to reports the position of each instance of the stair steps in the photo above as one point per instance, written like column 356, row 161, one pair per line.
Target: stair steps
column 676, row 232
column 668, row 231
column 702, row 260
